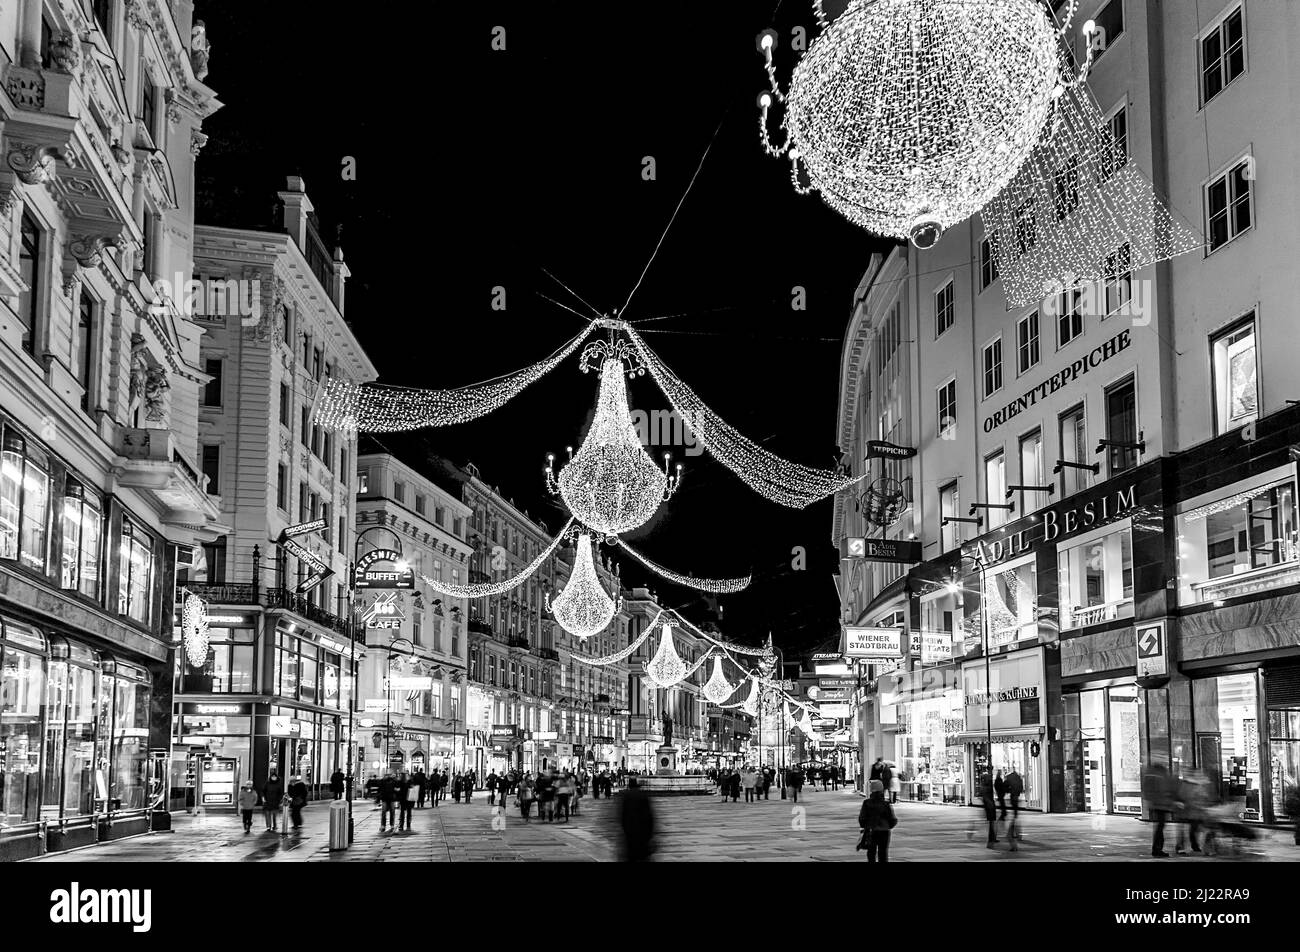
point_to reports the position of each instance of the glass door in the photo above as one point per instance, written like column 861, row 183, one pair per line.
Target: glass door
column 1124, row 732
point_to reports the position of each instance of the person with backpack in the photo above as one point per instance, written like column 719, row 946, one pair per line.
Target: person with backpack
column 877, row 819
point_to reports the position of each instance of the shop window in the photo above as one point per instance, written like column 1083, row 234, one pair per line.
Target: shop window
column 1241, row 542
column 135, row 578
column 83, row 521
column 1011, row 604
column 1121, row 426
column 22, row 686
column 24, row 502
column 1235, row 376
column 130, row 732
column 1096, row 578
column 941, row 625
column 1228, row 740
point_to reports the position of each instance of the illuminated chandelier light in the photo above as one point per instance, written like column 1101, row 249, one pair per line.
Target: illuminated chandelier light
column 611, row 484
column 484, row 589
column 750, row 704
column 194, row 629
column 666, row 668
column 583, row 608
column 720, row 586
column 372, row 408
column 806, row 725
column 777, row 479
column 1074, row 204
column 718, row 688
column 908, row 116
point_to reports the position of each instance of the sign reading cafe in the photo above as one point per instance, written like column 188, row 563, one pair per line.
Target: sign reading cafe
column 1099, row 355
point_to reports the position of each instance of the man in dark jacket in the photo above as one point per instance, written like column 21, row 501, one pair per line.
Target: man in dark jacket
column 637, row 820
column 886, row 778
column 1157, row 791
column 297, row 800
column 876, row 819
column 336, row 783
column 1015, row 790
column 404, row 789
column 420, row 781
column 387, row 797
column 492, row 788
column 272, row 794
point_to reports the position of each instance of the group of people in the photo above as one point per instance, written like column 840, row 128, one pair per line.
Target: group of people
column 556, row 795
column 1193, row 803
column 994, row 792
column 757, row 782
column 271, row 798
column 889, row 776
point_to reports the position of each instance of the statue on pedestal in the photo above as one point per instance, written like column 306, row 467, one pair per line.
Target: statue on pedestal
column 668, row 730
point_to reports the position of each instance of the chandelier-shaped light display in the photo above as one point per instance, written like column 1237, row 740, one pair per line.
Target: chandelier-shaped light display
column 484, row 589
column 612, row 484
column 194, row 629
column 910, row 115
column 750, row 705
column 805, row 724
column 666, row 668
column 718, row 688
column 371, row 408
column 583, row 608
column 719, row 586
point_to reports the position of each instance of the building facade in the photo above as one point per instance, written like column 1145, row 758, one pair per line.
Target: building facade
column 1102, row 495
column 424, row 636
column 101, row 491
column 274, row 689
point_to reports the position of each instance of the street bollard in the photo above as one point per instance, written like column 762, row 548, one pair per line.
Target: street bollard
column 338, row 825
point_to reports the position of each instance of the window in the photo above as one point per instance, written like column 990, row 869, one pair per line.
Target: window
column 1025, row 227
column 316, row 363
column 399, row 491
column 306, row 350
column 993, row 367
column 1065, row 189
column 135, row 576
column 1011, row 599
column 417, row 627
column 947, row 408
column 943, row 309
column 286, row 405
column 24, row 502
column 455, row 639
column 302, row 502
column 212, row 390
column 1121, row 426
column 949, row 506
column 419, row 504
column 285, row 323
column 1110, row 26
column 148, row 238
column 1031, row 471
column 281, row 488
column 437, row 634
column 305, row 431
column 363, row 482
column 1119, row 280
column 1223, row 56
column 327, row 449
column 83, row 522
column 1227, row 204
column 214, row 554
column 1239, row 540
column 458, row 526
column 1027, row 342
column 995, row 488
column 315, row 440
column 102, row 10
column 1096, row 577
column 148, row 102
column 81, row 345
column 343, row 465
column 329, row 529
column 212, row 468
column 988, row 260
column 1116, row 156
column 29, row 258
column 1074, row 449
column 1069, row 319
column 440, row 518
column 1234, row 369
column 342, row 536
column 492, row 669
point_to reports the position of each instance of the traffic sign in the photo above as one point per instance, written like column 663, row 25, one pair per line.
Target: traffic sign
column 1152, row 656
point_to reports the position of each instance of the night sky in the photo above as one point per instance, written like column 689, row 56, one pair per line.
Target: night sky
column 478, row 168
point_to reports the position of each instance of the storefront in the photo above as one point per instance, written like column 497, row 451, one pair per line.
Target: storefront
column 1005, row 726
column 925, row 705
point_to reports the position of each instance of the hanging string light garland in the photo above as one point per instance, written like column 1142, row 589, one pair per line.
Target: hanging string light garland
column 194, row 629
column 484, row 589
column 583, row 608
column 372, row 408
column 618, row 656
column 909, row 115
column 720, row 586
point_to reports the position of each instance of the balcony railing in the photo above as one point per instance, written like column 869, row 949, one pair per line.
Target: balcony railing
column 248, row 594
column 480, row 627
column 517, row 642
column 548, row 653
column 1107, row 611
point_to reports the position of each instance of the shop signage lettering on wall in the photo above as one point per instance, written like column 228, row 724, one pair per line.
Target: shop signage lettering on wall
column 376, row 705
column 873, row 642
column 302, row 528
column 837, row 683
column 408, row 682
column 384, row 613
column 242, row 621
column 368, row 577
column 884, row 550
column 1055, row 524
column 195, row 708
column 1011, row 694
column 1116, row 345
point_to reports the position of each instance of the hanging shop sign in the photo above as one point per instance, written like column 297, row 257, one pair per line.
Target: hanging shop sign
column 233, row 621
column 1116, row 345
column 884, row 550
column 543, row 735
column 282, row 726
column 936, row 647
column 312, row 580
column 836, row 668
column 191, row 707
column 301, row 529
column 1055, row 524
column 375, row 705
column 306, row 557
column 378, row 569
column 836, row 711
column 408, row 683
column 873, row 642
column 1152, row 656
column 329, row 644
column 620, row 712
column 886, row 450
column 602, row 739
column 833, row 683
column 384, row 613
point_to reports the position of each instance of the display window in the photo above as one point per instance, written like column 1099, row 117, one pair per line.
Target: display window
column 228, row 667
column 1225, row 713
column 1010, row 754
column 1011, row 602
column 1240, row 540
column 1096, row 577
column 942, row 621
column 22, row 692
column 24, row 501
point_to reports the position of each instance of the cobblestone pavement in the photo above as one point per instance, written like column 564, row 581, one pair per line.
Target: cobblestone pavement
column 821, row 827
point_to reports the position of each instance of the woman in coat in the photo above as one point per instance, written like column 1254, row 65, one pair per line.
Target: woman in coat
column 247, row 804
column 876, row 819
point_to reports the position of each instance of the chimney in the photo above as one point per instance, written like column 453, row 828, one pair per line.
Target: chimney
column 297, row 206
column 341, row 275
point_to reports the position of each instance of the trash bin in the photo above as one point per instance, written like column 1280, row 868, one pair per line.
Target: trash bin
column 338, row 825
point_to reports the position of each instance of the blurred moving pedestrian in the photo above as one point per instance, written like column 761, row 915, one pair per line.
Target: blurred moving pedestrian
column 1157, row 791
column 525, row 798
column 407, row 793
column 564, row 796
column 248, row 801
column 492, row 788
column 990, row 807
column 1015, row 790
column 297, row 800
column 637, row 820
column 1194, row 795
column 1292, row 804
column 877, row 819
column 387, row 799
column 793, row 783
column 272, row 794
column 421, row 784
column 1000, row 790
column 337, row 782
column 747, row 783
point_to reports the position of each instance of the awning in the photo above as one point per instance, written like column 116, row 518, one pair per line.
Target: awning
column 1005, row 735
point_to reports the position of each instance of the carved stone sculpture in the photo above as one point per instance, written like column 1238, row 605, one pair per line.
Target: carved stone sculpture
column 64, row 54
column 199, row 49
column 155, row 395
column 139, row 370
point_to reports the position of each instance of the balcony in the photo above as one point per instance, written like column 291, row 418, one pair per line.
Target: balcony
column 148, row 460
column 549, row 654
column 477, row 627
column 478, row 578
column 273, row 598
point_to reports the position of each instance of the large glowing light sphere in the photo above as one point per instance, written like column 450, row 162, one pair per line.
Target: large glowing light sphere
column 583, row 608
column 612, row 484
column 911, row 115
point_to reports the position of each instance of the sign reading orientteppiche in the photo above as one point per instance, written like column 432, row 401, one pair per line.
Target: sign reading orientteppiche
column 873, row 642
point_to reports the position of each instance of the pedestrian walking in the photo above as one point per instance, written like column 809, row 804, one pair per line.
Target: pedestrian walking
column 877, row 819
column 990, row 807
column 297, row 800
column 470, row 782
column 421, row 784
column 1000, row 792
column 636, row 817
column 877, row 769
column 747, row 783
column 525, row 797
column 793, row 781
column 564, row 795
column 407, row 794
column 387, row 799
column 1015, row 790
column 337, row 781
column 272, row 794
column 1158, row 794
column 492, row 788
column 248, row 801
